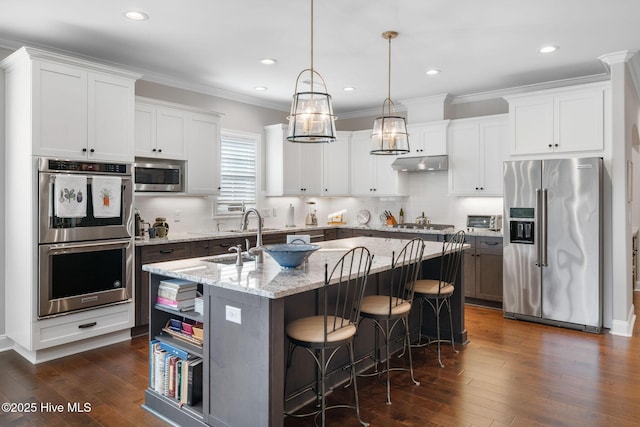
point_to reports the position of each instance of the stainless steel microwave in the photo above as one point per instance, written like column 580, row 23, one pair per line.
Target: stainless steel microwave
column 487, row 222
column 159, row 176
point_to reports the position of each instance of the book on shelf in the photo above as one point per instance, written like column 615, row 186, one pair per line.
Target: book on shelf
column 173, row 375
column 180, row 305
column 176, row 295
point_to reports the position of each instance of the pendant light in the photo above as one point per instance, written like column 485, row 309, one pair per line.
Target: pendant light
column 389, row 130
column 311, row 119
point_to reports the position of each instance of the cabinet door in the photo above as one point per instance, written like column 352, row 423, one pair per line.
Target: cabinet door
column 203, row 157
column 110, row 121
column 464, row 158
column 310, row 168
column 335, row 166
column 469, row 273
column 59, row 110
column 428, row 139
column 387, row 182
column 290, row 175
column 493, row 152
column 532, row 125
column 145, row 130
column 362, row 165
column 489, row 275
column 579, row 121
column 170, row 133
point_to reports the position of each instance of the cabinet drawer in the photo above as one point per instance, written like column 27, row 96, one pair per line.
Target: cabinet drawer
column 168, row 252
column 330, row 234
column 92, row 323
column 221, row 246
column 484, row 243
column 201, row 248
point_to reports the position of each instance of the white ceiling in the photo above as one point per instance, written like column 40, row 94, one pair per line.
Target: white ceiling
column 214, row 46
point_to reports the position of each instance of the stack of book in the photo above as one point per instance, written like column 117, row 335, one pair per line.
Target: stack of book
column 174, row 373
column 177, row 294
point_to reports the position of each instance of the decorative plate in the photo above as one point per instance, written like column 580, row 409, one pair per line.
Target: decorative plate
column 363, row 216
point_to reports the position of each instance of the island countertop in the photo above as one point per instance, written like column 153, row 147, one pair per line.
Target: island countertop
column 270, row 280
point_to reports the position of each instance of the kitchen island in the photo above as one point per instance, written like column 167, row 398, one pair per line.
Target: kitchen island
column 246, row 309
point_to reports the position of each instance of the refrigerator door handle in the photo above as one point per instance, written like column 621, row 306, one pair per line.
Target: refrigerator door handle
column 538, row 220
column 543, row 231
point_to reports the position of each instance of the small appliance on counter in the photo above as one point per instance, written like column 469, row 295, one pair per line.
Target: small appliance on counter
column 311, row 218
column 484, row 222
column 161, row 226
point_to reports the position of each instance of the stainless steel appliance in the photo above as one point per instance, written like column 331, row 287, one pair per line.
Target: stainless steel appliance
column 159, row 176
column 484, row 222
column 84, row 261
column 553, row 244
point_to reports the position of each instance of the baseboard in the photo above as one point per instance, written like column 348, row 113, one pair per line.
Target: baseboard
column 624, row 328
column 5, row 343
column 47, row 354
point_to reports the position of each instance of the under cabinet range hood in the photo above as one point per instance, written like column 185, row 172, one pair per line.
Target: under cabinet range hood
column 421, row 164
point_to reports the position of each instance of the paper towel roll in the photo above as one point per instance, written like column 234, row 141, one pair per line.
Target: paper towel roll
column 290, row 222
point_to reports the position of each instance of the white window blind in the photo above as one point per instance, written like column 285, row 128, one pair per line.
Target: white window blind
column 237, row 169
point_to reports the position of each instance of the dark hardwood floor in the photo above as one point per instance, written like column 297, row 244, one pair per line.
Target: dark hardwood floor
column 512, row 373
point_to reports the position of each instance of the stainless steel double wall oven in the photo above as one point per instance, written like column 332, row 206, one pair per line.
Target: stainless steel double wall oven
column 84, row 260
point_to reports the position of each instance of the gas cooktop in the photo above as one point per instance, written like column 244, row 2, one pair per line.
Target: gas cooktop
column 410, row 225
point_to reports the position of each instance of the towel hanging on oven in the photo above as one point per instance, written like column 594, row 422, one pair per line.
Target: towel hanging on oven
column 70, row 200
column 106, row 195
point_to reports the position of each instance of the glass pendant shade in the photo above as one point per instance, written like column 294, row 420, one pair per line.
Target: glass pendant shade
column 311, row 119
column 389, row 134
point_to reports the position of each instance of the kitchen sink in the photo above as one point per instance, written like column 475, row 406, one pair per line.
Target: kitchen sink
column 250, row 230
column 228, row 259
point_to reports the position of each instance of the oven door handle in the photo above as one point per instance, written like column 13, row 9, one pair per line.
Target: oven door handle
column 88, row 245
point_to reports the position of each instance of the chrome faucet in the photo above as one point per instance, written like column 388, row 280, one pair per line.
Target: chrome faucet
column 257, row 251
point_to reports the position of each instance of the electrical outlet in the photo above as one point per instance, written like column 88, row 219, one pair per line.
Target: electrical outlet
column 233, row 314
column 177, row 215
column 275, row 212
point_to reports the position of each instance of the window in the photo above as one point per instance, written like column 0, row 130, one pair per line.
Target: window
column 237, row 170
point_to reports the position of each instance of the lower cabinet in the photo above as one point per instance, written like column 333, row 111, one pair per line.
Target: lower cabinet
column 482, row 268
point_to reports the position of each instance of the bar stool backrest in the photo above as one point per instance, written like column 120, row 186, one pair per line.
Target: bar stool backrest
column 451, row 259
column 342, row 298
column 404, row 272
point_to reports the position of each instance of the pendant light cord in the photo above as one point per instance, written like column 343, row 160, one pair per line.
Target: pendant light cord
column 389, row 81
column 312, row 46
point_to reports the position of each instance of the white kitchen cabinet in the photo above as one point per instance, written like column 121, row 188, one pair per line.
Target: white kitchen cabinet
column 477, row 149
column 160, row 130
column 79, row 110
column 372, row 175
column 428, row 139
column 558, row 120
column 203, row 154
column 292, row 169
column 335, row 166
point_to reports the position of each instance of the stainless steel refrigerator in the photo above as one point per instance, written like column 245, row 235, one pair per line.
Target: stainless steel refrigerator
column 553, row 242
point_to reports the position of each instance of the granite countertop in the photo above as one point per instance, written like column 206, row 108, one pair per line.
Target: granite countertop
column 270, row 280
column 191, row 237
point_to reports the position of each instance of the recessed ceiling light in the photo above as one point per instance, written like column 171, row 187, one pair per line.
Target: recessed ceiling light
column 260, row 88
column 268, row 61
column 136, row 15
column 432, row 72
column 548, row 49
column 349, row 89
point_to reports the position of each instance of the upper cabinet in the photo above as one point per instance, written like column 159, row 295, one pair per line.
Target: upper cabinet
column 74, row 109
column 161, row 131
column 477, row 149
column 203, row 153
column 291, row 169
column 335, row 166
column 178, row 132
column 428, row 139
column 558, row 120
column 372, row 175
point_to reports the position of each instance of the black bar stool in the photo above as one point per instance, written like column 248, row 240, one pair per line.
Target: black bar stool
column 335, row 327
column 394, row 306
column 437, row 292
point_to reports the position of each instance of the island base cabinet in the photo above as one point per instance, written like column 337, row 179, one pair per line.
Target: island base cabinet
column 246, row 358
